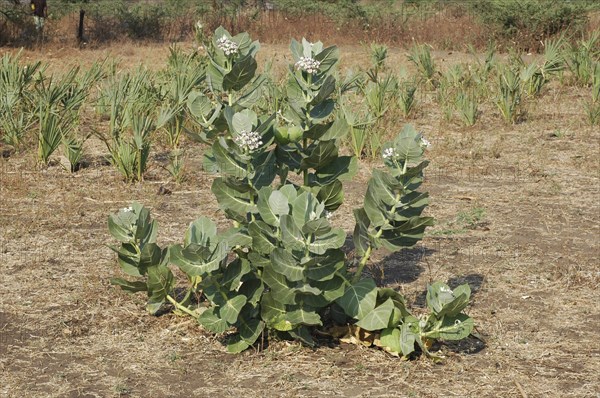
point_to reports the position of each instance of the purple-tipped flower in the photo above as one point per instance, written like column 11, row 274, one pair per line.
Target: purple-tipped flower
column 227, row 46
column 308, row 65
column 249, row 140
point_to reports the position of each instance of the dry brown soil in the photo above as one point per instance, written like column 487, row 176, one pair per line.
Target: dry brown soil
column 518, row 217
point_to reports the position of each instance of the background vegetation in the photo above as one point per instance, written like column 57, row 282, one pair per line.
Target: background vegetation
column 443, row 23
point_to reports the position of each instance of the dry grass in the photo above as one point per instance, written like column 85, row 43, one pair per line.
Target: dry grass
column 446, row 27
column 531, row 259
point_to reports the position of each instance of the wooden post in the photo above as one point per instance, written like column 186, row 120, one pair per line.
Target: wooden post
column 80, row 29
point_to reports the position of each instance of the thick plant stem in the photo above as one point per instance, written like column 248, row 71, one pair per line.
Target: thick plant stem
column 365, row 259
column 305, row 172
column 181, row 307
column 361, row 265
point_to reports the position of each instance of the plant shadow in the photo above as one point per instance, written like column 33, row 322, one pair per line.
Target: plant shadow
column 403, row 266
column 467, row 346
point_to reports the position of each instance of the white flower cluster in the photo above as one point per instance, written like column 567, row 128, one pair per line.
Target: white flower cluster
column 249, row 140
column 425, row 143
column 389, row 153
column 328, row 214
column 127, row 210
column 227, row 46
column 445, row 289
column 308, row 65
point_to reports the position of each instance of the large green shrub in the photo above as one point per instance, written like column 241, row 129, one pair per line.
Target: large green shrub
column 280, row 269
column 529, row 21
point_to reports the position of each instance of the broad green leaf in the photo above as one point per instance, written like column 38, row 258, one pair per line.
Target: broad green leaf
column 160, row 283
column 289, row 191
column 325, row 267
column 244, row 121
column 331, row 195
column 302, row 333
column 258, row 260
column 151, row 255
column 129, row 287
column 339, row 129
column 307, row 289
column 462, row 295
column 231, row 309
column 264, row 209
column 243, row 41
column 376, row 212
column 253, row 289
column 248, row 332
column 390, row 340
column 211, row 322
column 332, row 240
column 316, row 132
column 359, row 299
column 241, row 74
column 361, row 238
column 195, row 264
column 279, row 203
column 321, row 155
column 441, row 300
column 322, row 111
column 290, row 234
column 231, row 199
column 399, row 301
column 451, row 328
column 214, row 77
column 328, row 58
column 199, row 105
column 320, row 226
column 263, row 240
column 296, row 49
column 409, row 334
column 284, row 263
column 303, row 317
column 342, row 168
column 396, row 239
column 226, row 162
column 378, row 318
column 408, row 144
column 327, row 88
column 385, row 188
column 281, row 323
column 121, row 226
column 280, row 289
column 308, row 48
column 252, row 94
column 200, row 232
column 333, row 288
column 303, row 208
column 234, row 273
column 233, row 237
column 270, row 308
column 212, row 289
column 129, row 260
column 265, row 170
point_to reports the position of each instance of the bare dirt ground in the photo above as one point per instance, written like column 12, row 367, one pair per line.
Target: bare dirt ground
column 518, row 218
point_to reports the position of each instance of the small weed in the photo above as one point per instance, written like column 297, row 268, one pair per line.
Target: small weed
column 122, row 389
column 174, row 356
column 471, row 218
